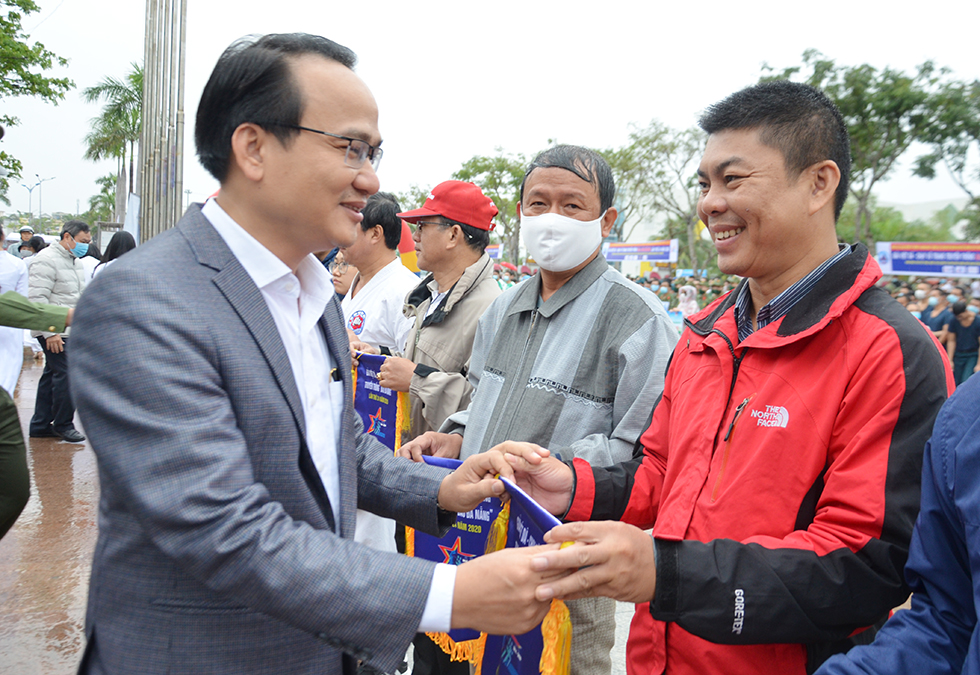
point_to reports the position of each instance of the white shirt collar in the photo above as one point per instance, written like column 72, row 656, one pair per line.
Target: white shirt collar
column 262, row 264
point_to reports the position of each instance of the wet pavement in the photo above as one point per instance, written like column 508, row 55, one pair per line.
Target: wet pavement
column 45, row 558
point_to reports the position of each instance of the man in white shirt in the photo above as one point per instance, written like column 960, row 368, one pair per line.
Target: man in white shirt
column 230, row 458
column 13, row 277
column 372, row 311
column 373, row 305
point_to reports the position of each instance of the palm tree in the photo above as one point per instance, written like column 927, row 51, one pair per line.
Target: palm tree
column 117, row 130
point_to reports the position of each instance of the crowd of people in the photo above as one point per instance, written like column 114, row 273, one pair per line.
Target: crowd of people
column 947, row 306
column 750, row 479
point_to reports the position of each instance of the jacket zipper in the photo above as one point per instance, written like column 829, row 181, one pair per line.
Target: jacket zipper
column 520, row 369
column 728, row 447
column 736, row 363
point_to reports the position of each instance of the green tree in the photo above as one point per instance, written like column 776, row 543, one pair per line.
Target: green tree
column 885, row 111
column 412, row 198
column 101, row 205
column 888, row 224
column 500, row 176
column 116, row 130
column 656, row 175
column 22, row 66
column 954, row 139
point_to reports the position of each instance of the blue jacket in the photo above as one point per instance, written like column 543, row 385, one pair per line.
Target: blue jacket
column 939, row 634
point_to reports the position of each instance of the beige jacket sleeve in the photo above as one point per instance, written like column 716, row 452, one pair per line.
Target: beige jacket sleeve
column 441, row 394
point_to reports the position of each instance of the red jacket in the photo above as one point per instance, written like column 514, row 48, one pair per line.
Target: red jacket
column 781, row 478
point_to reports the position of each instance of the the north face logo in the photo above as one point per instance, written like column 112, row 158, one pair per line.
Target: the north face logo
column 772, row 416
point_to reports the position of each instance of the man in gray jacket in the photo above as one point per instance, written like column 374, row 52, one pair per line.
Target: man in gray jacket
column 572, row 359
column 57, row 278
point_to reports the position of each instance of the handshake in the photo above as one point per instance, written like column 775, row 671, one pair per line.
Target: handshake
column 510, row 591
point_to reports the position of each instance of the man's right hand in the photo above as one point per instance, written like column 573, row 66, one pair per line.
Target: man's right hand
column 495, row 593
column 546, row 479
column 55, row 344
column 432, row 443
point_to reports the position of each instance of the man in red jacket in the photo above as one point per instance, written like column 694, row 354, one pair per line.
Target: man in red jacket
column 780, row 471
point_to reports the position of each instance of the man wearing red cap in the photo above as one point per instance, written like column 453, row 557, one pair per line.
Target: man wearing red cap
column 452, row 230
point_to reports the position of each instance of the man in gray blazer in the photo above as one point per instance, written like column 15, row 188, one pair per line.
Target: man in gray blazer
column 212, row 374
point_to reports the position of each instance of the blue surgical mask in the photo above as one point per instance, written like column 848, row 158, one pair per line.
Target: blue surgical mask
column 952, row 298
column 80, row 250
column 973, row 308
column 917, row 315
column 933, row 301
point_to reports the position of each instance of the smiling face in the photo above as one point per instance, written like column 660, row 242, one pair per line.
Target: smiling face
column 314, row 198
column 759, row 217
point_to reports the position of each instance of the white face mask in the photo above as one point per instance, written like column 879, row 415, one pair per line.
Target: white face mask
column 559, row 243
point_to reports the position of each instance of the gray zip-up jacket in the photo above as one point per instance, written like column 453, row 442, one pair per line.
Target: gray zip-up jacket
column 578, row 374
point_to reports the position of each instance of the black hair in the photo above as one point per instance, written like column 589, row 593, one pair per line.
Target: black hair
column 798, row 120
column 121, row 242
column 93, row 252
column 35, row 243
column 584, row 163
column 74, row 227
column 382, row 209
column 253, row 82
column 476, row 239
column 958, row 307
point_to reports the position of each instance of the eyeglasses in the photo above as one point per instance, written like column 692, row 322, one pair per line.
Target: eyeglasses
column 420, row 223
column 357, row 150
column 338, row 267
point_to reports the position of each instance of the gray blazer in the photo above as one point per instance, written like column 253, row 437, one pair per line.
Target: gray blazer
column 217, row 549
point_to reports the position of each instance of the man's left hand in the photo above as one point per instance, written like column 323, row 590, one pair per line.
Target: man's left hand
column 611, row 559
column 475, row 480
column 396, row 373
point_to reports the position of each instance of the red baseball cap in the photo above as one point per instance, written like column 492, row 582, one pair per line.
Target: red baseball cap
column 459, row 201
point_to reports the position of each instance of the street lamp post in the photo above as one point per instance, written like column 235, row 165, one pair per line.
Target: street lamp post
column 39, row 181
column 30, row 195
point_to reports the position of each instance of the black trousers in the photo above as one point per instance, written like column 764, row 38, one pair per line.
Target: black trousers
column 53, row 406
column 431, row 660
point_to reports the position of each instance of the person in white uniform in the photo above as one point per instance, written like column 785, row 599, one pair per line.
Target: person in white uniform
column 13, row 277
column 372, row 311
column 373, row 305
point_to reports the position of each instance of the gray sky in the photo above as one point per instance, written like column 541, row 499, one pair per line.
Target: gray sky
column 455, row 79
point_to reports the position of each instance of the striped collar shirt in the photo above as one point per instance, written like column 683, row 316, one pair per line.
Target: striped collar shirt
column 779, row 306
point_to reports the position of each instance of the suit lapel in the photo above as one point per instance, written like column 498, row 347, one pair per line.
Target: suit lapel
column 241, row 292
column 247, row 300
column 332, row 325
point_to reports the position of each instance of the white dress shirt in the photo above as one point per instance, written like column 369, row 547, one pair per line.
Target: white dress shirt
column 296, row 302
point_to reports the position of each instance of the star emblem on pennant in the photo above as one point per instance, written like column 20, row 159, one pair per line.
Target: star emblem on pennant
column 454, row 554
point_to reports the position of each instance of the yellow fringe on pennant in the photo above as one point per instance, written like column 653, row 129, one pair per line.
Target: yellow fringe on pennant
column 403, row 418
column 467, row 650
column 410, row 542
column 497, row 538
column 556, row 630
